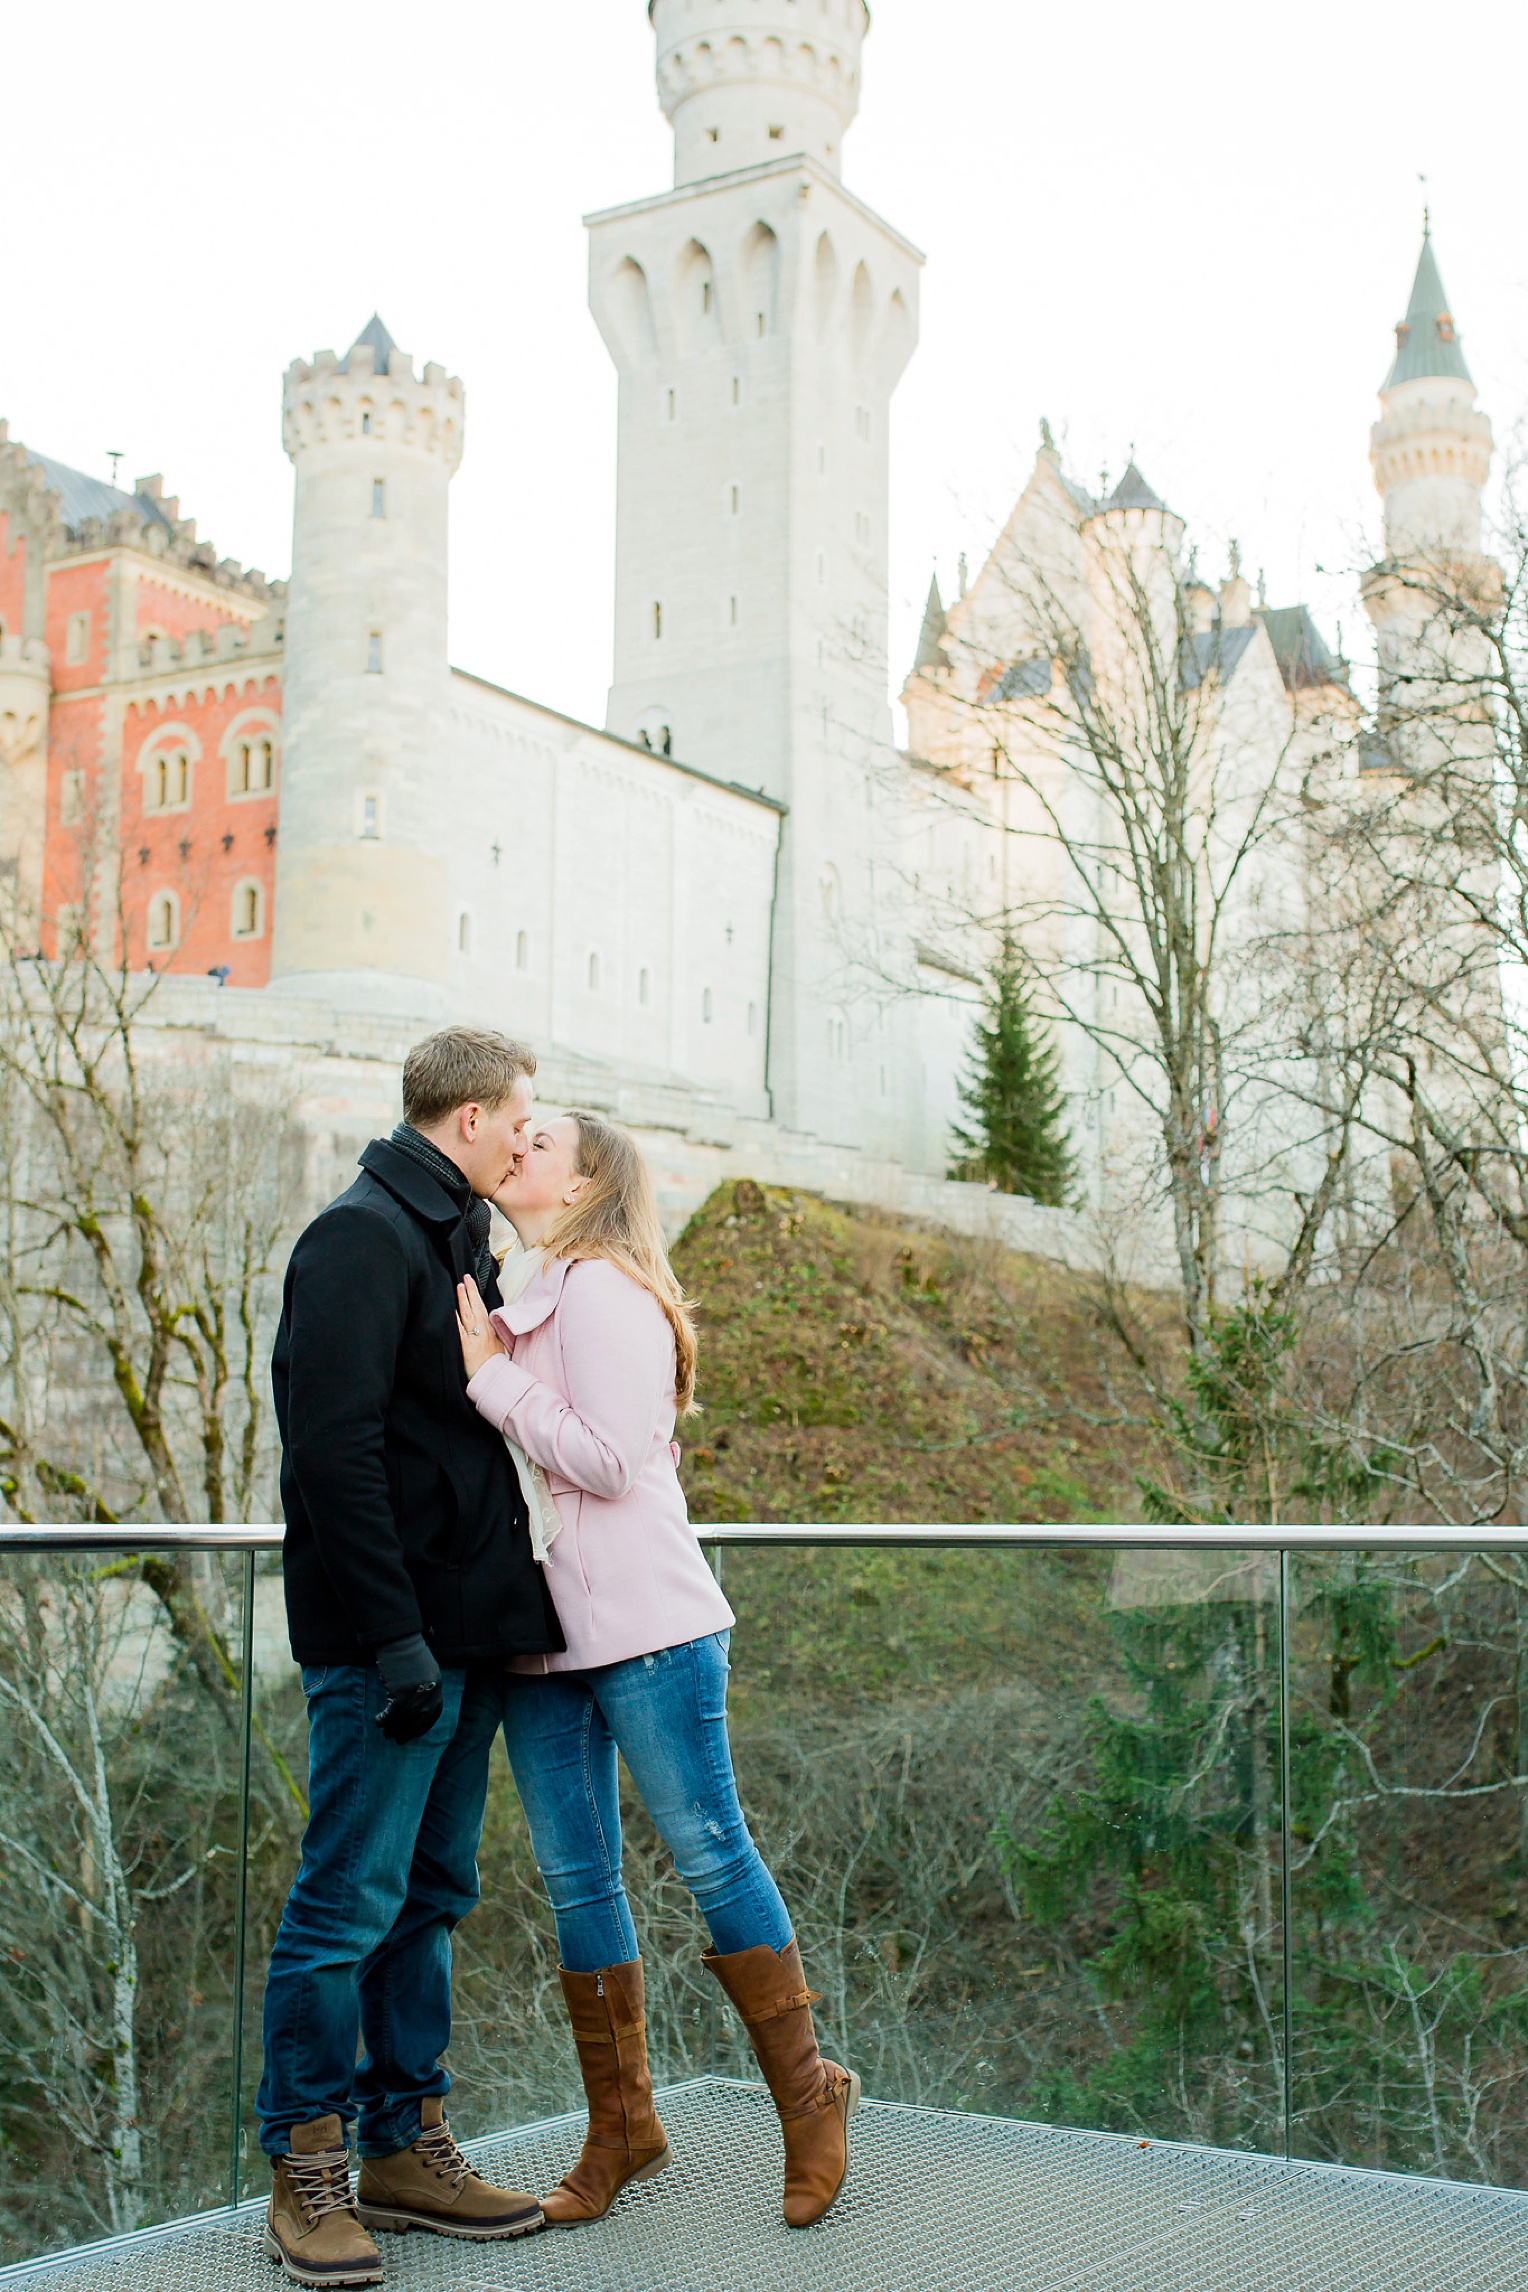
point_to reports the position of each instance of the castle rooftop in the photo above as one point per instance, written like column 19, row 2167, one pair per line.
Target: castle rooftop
column 81, row 497
column 1425, row 340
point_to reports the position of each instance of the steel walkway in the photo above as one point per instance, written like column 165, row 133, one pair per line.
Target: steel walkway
column 935, row 2202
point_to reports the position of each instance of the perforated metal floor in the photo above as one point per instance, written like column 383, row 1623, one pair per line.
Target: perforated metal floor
column 934, row 2203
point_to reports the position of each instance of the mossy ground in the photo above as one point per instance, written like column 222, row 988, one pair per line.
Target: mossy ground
column 855, row 1366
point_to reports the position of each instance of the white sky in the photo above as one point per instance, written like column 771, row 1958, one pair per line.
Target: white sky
column 1190, row 232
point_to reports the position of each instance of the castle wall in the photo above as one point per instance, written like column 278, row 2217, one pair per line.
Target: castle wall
column 609, row 899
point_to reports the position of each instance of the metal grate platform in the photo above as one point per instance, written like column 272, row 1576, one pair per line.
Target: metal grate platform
column 935, row 2203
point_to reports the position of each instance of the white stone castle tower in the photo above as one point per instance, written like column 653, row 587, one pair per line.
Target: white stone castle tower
column 760, row 316
column 1431, row 453
column 363, row 864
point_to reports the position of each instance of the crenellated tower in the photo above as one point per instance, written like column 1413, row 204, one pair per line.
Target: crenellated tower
column 362, row 880
column 742, row 81
column 760, row 316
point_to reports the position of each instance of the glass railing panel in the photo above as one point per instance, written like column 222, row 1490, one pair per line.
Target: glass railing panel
column 121, row 1765
column 1025, row 1808
column 510, row 2058
column 1409, row 1861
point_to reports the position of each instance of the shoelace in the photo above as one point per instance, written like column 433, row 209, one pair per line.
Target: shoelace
column 442, row 2155
column 321, row 2183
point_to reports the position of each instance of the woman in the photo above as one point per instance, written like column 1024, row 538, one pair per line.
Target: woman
column 584, row 1370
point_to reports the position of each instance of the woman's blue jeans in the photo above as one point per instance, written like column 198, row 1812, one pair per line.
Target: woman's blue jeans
column 666, row 1714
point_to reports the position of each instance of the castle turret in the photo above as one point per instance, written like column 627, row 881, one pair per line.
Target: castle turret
column 744, row 81
column 361, row 904
column 1430, row 449
column 1431, row 454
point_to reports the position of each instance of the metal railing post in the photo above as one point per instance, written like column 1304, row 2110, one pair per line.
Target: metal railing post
column 241, row 1886
column 1286, row 1834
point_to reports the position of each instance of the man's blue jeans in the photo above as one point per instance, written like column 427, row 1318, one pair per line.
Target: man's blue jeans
column 666, row 1714
column 389, row 1867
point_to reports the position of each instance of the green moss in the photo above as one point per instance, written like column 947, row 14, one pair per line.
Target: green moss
column 858, row 1367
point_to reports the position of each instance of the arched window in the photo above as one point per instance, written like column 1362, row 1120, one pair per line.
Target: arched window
column 248, row 909
column 464, row 933
column 167, row 779
column 522, row 951
column 252, row 763
column 163, row 923
column 378, row 498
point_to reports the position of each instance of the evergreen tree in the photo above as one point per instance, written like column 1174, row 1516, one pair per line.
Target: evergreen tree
column 1011, row 1095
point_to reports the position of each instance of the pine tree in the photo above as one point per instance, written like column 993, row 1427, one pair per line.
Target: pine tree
column 1011, row 1094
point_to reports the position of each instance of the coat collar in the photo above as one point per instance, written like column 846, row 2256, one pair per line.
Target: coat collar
column 410, row 1183
column 536, row 1304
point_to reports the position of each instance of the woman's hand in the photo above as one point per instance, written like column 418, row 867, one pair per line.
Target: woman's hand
column 480, row 1340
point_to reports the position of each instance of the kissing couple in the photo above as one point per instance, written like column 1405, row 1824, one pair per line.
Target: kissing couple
column 485, row 1534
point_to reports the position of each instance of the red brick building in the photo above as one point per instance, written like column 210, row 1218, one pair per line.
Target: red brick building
column 140, row 723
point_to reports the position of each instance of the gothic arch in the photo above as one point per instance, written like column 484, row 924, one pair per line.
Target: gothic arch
column 825, row 282
column 695, row 298
column 761, row 280
column 631, row 312
column 861, row 310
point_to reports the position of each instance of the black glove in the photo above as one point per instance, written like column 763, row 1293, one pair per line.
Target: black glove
column 411, row 1680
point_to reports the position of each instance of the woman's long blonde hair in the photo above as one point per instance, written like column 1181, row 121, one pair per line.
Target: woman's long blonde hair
column 616, row 1217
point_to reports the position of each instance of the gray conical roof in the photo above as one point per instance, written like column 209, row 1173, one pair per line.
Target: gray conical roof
column 376, row 337
column 930, row 637
column 1425, row 341
column 1133, row 492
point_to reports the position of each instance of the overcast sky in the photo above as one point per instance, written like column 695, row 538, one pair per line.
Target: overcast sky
column 1189, row 233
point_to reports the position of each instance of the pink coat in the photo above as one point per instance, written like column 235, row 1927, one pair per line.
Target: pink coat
column 587, row 1390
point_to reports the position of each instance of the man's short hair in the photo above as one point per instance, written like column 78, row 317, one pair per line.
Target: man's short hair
column 460, row 1066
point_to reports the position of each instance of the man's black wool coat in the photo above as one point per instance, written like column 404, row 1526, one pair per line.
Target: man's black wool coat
column 403, row 1509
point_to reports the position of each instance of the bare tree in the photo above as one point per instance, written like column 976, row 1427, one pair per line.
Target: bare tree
column 1126, row 734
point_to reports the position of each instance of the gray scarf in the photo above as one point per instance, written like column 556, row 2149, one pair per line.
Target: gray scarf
column 475, row 1212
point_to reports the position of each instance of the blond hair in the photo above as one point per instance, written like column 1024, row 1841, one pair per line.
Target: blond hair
column 616, row 1218
column 459, row 1067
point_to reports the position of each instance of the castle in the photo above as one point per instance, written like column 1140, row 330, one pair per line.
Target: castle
column 729, row 914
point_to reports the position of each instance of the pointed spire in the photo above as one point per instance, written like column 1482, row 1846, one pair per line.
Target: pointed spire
column 1425, row 340
column 931, row 638
column 375, row 337
column 1133, row 492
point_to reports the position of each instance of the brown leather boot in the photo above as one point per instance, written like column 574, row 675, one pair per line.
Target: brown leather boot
column 815, row 2098
column 431, row 2185
column 625, row 2141
column 312, row 2227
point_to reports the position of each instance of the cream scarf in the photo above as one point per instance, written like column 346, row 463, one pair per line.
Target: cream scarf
column 517, row 1270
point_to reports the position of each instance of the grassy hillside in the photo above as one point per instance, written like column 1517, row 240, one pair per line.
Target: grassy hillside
column 855, row 1366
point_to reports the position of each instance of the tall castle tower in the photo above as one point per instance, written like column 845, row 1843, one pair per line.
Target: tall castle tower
column 362, row 890
column 1431, row 453
column 1430, row 449
column 760, row 317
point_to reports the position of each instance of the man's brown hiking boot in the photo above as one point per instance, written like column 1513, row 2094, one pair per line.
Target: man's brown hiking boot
column 431, row 2185
column 311, row 2228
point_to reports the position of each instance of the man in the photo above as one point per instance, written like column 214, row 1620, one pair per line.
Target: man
column 409, row 1580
